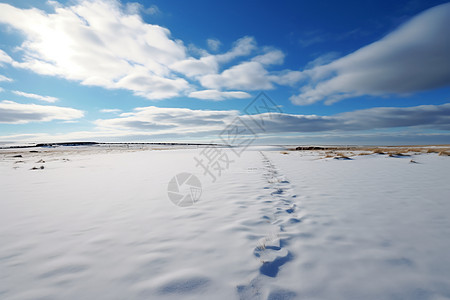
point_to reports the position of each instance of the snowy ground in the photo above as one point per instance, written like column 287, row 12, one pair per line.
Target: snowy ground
column 98, row 224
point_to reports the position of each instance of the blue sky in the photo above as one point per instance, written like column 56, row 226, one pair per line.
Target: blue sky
column 353, row 72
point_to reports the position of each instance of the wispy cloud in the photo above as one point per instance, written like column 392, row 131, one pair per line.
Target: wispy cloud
column 49, row 99
column 213, row 44
column 415, row 57
column 136, row 8
column 17, row 113
column 4, row 58
column 216, row 95
column 4, row 78
column 111, row 110
column 152, row 10
column 311, row 38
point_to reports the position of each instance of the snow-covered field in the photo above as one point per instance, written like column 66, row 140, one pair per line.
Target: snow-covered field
column 98, row 224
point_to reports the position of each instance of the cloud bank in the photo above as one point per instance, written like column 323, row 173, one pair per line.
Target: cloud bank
column 147, row 123
column 182, row 120
column 413, row 58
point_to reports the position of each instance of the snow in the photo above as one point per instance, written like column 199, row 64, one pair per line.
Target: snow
column 98, row 224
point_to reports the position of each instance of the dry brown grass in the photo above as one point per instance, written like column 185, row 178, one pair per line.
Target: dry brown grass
column 398, row 153
column 344, row 152
column 416, row 149
column 364, row 153
column 329, row 154
column 378, row 151
column 343, row 155
column 284, row 152
column 336, row 155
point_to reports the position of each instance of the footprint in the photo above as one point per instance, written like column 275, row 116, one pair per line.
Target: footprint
column 294, row 220
column 271, row 268
column 278, row 192
column 291, row 209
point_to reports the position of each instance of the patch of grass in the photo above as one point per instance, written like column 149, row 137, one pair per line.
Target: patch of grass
column 329, row 154
column 364, row 153
column 397, row 154
column 341, row 155
column 378, row 151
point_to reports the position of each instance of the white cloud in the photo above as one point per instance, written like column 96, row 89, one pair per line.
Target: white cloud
column 5, row 58
column 4, row 78
column 287, row 77
column 413, row 58
column 247, row 76
column 17, row 113
column 209, row 64
column 136, row 8
column 98, row 43
column 35, row 96
column 242, row 47
column 272, row 57
column 111, row 110
column 152, row 86
column 193, row 67
column 218, row 95
column 152, row 10
column 213, row 44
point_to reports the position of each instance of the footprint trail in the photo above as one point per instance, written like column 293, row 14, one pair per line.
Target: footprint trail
column 273, row 250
